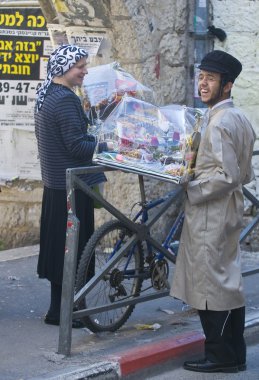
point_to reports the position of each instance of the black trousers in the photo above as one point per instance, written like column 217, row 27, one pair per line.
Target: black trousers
column 224, row 335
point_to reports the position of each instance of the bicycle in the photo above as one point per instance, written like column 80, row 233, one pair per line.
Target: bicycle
column 116, row 291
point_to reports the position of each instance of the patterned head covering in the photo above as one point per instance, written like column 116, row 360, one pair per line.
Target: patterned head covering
column 60, row 61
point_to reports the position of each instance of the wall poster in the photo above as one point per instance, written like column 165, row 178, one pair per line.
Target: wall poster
column 24, row 50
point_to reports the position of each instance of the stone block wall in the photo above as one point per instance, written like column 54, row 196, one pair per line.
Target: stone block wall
column 240, row 20
column 151, row 40
column 20, row 207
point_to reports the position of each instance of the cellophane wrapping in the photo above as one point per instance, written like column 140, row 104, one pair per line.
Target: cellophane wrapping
column 161, row 141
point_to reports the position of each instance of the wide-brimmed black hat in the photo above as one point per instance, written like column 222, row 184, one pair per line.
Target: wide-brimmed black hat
column 218, row 61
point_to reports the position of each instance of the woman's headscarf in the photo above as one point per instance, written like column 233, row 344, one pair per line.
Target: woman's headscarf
column 60, row 61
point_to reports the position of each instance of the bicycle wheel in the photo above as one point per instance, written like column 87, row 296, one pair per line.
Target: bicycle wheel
column 122, row 282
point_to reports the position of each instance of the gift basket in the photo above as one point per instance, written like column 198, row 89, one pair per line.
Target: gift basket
column 161, row 141
column 104, row 86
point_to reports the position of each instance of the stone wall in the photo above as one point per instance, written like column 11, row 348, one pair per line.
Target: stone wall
column 19, row 213
column 151, row 40
column 240, row 20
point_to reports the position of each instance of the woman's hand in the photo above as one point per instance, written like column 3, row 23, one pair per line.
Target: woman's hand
column 110, row 145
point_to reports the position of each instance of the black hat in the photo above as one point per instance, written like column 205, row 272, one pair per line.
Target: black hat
column 218, row 61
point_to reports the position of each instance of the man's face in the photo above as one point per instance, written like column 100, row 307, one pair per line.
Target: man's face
column 75, row 76
column 209, row 88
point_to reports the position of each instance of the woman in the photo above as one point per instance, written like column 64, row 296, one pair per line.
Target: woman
column 63, row 142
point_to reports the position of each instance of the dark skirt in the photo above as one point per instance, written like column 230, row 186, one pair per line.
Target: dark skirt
column 53, row 230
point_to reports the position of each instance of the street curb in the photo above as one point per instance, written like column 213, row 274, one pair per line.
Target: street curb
column 19, row 253
column 143, row 357
column 102, row 370
column 134, row 359
column 137, row 359
column 140, row 358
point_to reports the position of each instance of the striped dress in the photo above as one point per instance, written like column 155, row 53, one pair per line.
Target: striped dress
column 63, row 142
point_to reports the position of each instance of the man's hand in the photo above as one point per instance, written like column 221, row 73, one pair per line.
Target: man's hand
column 184, row 186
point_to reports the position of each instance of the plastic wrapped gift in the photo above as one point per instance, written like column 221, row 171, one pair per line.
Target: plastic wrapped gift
column 151, row 139
column 104, row 86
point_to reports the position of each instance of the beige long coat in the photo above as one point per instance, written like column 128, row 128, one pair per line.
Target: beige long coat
column 208, row 268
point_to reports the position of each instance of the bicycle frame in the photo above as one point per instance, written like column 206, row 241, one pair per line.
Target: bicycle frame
column 142, row 216
column 140, row 233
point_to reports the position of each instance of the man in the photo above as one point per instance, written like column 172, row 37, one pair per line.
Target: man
column 208, row 269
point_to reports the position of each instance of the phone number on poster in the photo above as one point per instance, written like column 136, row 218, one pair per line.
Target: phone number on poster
column 21, row 87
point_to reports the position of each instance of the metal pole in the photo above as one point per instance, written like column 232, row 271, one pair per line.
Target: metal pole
column 142, row 188
column 201, row 42
column 70, row 260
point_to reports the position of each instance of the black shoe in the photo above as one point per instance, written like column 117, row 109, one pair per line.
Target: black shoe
column 241, row 367
column 205, row 365
column 76, row 323
column 51, row 320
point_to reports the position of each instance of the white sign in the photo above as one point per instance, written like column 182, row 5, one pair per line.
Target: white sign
column 17, row 101
column 19, row 156
column 82, row 37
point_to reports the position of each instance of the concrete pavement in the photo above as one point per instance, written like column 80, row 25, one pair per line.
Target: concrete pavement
column 28, row 346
